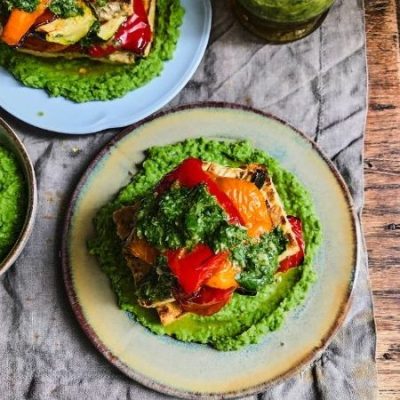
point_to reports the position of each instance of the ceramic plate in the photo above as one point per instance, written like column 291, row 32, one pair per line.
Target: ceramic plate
column 57, row 114
column 9, row 139
column 191, row 370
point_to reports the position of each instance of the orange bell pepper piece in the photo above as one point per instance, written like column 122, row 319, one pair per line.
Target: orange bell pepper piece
column 250, row 203
column 224, row 278
column 20, row 22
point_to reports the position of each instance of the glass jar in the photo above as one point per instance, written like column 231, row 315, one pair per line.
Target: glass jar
column 281, row 21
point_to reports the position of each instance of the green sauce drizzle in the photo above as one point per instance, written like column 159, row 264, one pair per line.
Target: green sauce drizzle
column 65, row 8
column 25, row 5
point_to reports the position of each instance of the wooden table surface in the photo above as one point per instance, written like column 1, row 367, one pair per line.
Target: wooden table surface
column 382, row 186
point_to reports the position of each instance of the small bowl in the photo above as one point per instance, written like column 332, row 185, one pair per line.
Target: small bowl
column 9, row 139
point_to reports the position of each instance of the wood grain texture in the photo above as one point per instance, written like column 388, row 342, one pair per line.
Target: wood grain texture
column 382, row 191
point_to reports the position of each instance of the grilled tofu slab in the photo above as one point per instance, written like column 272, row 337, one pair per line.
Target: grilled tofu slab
column 169, row 310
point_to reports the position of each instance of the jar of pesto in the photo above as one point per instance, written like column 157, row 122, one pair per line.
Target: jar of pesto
column 281, row 21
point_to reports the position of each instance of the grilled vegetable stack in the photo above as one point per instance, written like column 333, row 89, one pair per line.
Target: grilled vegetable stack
column 116, row 31
column 206, row 232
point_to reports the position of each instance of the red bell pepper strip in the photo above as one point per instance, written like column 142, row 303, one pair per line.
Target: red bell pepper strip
column 295, row 259
column 101, row 50
column 189, row 174
column 194, row 268
column 133, row 35
column 207, row 301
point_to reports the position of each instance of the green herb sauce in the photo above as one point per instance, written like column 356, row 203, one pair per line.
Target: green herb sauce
column 12, row 200
column 61, row 77
column 183, row 218
column 65, row 8
column 179, row 218
column 259, row 260
column 25, row 5
column 91, row 37
column 157, row 285
column 246, row 319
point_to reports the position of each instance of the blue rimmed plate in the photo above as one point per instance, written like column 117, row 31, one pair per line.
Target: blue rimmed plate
column 57, row 114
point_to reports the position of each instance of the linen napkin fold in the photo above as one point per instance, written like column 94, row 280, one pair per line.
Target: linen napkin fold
column 319, row 86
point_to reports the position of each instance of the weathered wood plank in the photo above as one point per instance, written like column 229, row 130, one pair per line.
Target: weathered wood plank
column 382, row 195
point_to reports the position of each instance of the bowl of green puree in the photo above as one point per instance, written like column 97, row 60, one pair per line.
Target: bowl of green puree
column 18, row 197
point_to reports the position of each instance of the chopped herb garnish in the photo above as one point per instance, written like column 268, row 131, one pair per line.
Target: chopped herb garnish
column 157, row 285
column 66, row 8
column 25, row 5
column 91, row 37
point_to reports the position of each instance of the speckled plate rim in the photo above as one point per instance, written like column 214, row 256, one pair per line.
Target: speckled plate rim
column 145, row 380
column 31, row 210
